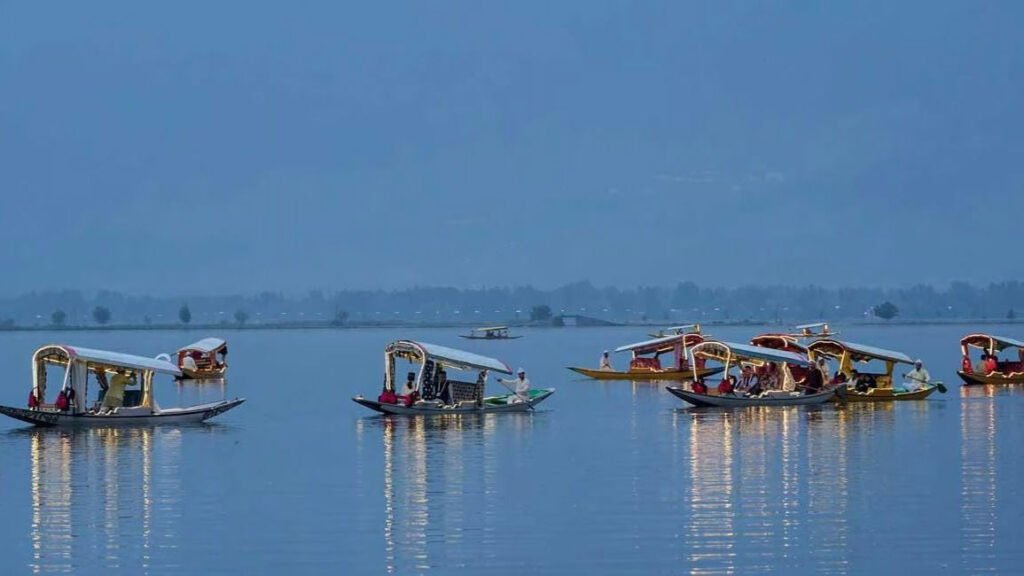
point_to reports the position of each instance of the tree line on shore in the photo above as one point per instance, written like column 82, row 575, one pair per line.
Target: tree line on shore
column 684, row 302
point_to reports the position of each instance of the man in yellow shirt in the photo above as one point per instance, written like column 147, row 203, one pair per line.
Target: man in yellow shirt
column 114, row 397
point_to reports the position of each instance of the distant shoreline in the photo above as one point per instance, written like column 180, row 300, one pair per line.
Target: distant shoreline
column 461, row 326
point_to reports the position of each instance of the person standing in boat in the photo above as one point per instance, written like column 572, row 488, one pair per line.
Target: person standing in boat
column 114, row 397
column 917, row 377
column 606, row 363
column 520, row 385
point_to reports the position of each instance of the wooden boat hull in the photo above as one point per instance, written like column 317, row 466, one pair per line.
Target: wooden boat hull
column 730, row 401
column 884, row 395
column 203, row 374
column 645, row 374
column 492, row 404
column 190, row 415
column 975, row 379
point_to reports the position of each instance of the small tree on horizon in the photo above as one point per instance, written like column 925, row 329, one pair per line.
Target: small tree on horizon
column 1011, row 315
column 241, row 316
column 58, row 317
column 340, row 317
column 540, row 313
column 101, row 314
column 184, row 314
column 886, row 310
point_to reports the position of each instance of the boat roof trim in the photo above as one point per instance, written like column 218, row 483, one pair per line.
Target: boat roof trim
column 863, row 350
column 486, row 328
column 1003, row 340
column 452, row 356
column 113, row 359
column 206, row 345
column 655, row 343
column 758, row 352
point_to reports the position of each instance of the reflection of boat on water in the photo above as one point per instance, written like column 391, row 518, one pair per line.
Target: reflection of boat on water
column 1004, row 372
column 440, row 483
column 434, row 393
column 870, row 386
column 980, row 507
column 116, row 404
column 489, row 333
column 752, row 358
column 645, row 361
column 111, row 489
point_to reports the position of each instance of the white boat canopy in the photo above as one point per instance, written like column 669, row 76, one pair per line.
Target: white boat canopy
column 858, row 352
column 665, row 341
column 730, row 350
column 683, row 328
column 448, row 356
column 52, row 352
column 490, row 328
column 812, row 325
column 991, row 342
column 206, row 345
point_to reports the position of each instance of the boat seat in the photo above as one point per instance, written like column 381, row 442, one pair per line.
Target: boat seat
column 463, row 391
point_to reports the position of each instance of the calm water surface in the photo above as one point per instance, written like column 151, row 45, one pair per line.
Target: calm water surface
column 606, row 478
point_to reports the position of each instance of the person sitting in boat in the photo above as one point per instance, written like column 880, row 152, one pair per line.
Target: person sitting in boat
column 815, row 380
column 409, row 393
column 991, row 364
column 606, row 363
column 699, row 386
column 917, row 377
column 786, row 378
column 521, row 387
column 727, row 385
column 980, row 366
column 746, row 377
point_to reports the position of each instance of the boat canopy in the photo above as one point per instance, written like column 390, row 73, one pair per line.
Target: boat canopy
column 857, row 352
column 683, row 329
column 490, row 328
column 460, row 359
column 779, row 342
column 990, row 342
column 63, row 354
column 727, row 351
column 206, row 346
column 661, row 345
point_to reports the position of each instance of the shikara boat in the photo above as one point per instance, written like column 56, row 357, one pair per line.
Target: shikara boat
column 435, row 393
column 645, row 363
column 866, row 386
column 117, row 404
column 676, row 331
column 489, row 333
column 1006, row 372
column 732, row 355
column 204, row 359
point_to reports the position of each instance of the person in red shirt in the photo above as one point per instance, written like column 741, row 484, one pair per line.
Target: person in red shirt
column 991, row 364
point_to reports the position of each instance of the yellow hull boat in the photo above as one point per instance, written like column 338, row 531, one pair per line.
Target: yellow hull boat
column 884, row 395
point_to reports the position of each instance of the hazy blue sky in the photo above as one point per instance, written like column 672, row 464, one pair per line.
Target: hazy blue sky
column 191, row 147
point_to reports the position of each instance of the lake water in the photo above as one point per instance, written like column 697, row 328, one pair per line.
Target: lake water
column 603, row 478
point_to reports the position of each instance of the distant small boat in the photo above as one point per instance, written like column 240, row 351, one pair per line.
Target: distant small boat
column 116, row 405
column 645, row 363
column 1006, row 372
column 489, row 333
column 676, row 331
column 865, row 386
column 204, row 359
column 435, row 393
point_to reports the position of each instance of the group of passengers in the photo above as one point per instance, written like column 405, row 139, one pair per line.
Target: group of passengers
column 520, row 386
column 756, row 381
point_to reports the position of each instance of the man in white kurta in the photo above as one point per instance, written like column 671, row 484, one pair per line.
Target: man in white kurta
column 521, row 386
column 917, row 377
column 606, row 363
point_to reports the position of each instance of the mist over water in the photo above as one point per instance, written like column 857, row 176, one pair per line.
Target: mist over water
column 606, row 477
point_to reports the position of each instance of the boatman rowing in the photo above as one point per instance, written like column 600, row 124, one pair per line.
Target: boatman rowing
column 521, row 386
column 917, row 377
column 606, row 363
